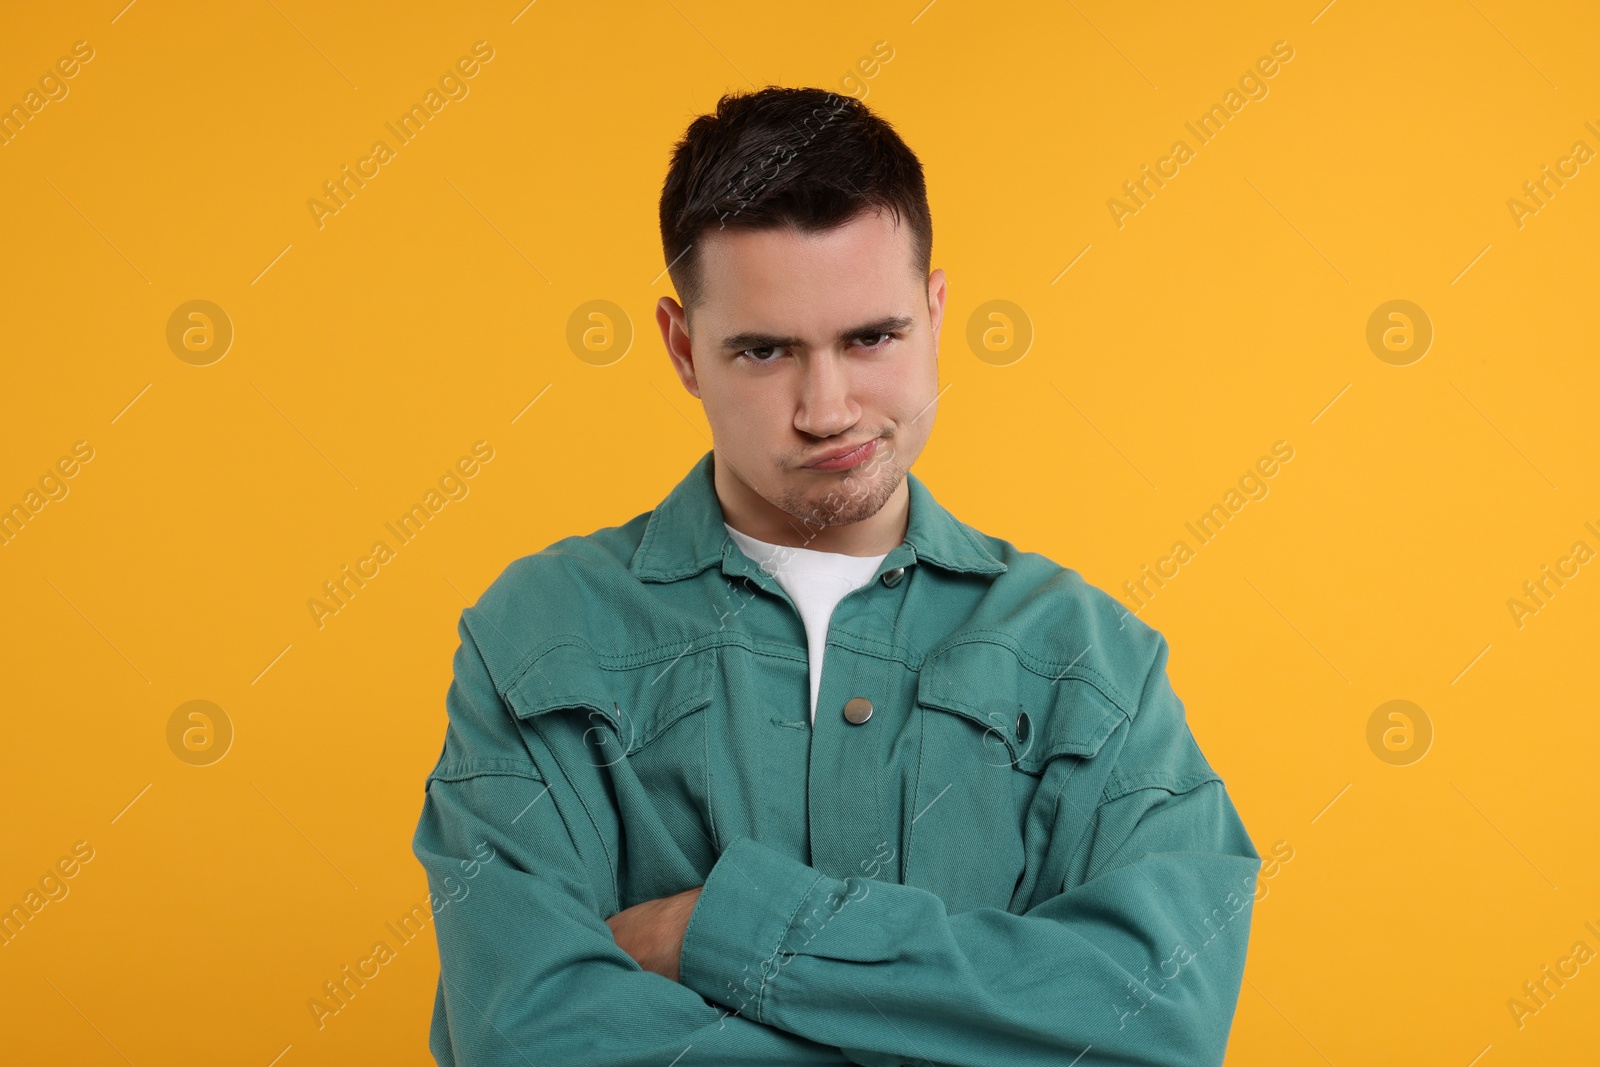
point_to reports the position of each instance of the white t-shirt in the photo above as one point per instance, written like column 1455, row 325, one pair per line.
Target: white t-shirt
column 816, row 582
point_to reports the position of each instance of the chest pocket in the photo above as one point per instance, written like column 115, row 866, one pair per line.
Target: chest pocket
column 998, row 738
column 630, row 739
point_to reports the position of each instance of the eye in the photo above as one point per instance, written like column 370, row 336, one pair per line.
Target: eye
column 746, row 356
column 769, row 353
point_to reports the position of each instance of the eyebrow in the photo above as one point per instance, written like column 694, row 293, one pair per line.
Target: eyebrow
column 751, row 339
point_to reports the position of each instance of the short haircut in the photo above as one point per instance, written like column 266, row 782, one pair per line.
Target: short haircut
column 801, row 157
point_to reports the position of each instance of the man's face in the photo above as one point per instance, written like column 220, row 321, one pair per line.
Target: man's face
column 808, row 344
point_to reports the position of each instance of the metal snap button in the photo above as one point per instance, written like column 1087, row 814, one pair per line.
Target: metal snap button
column 858, row 710
column 892, row 576
column 1024, row 727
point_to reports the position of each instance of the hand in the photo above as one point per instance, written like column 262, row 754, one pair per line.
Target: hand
column 652, row 932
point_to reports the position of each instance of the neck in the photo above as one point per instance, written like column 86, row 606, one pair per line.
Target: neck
column 754, row 516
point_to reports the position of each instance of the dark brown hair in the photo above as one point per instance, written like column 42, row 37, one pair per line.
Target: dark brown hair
column 807, row 158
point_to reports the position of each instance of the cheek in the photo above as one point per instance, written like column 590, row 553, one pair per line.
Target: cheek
column 909, row 387
column 747, row 419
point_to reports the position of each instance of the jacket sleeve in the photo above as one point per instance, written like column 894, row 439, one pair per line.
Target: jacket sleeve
column 1137, row 959
column 529, row 970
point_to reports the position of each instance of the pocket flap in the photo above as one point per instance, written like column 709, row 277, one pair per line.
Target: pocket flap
column 638, row 700
column 988, row 683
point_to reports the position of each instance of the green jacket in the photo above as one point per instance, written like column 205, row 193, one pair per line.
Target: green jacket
column 1019, row 857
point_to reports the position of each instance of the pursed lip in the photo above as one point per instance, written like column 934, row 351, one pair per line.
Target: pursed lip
column 838, row 452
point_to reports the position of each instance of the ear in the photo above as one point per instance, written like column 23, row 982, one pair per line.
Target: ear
column 936, row 295
column 674, row 325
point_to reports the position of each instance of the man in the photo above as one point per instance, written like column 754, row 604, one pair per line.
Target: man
column 796, row 768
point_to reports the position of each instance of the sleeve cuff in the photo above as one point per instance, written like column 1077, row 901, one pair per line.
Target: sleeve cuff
column 732, row 946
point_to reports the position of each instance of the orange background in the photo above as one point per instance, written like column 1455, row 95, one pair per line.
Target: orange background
column 429, row 313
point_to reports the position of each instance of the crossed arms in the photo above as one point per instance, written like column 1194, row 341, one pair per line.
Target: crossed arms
column 1138, row 960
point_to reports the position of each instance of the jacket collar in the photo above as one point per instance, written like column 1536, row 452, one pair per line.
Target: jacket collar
column 685, row 533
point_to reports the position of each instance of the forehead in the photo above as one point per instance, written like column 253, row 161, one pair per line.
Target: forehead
column 783, row 274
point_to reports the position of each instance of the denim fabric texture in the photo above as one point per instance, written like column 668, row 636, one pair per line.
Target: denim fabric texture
column 1020, row 857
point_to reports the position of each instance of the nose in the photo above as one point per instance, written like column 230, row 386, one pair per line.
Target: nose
column 825, row 408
